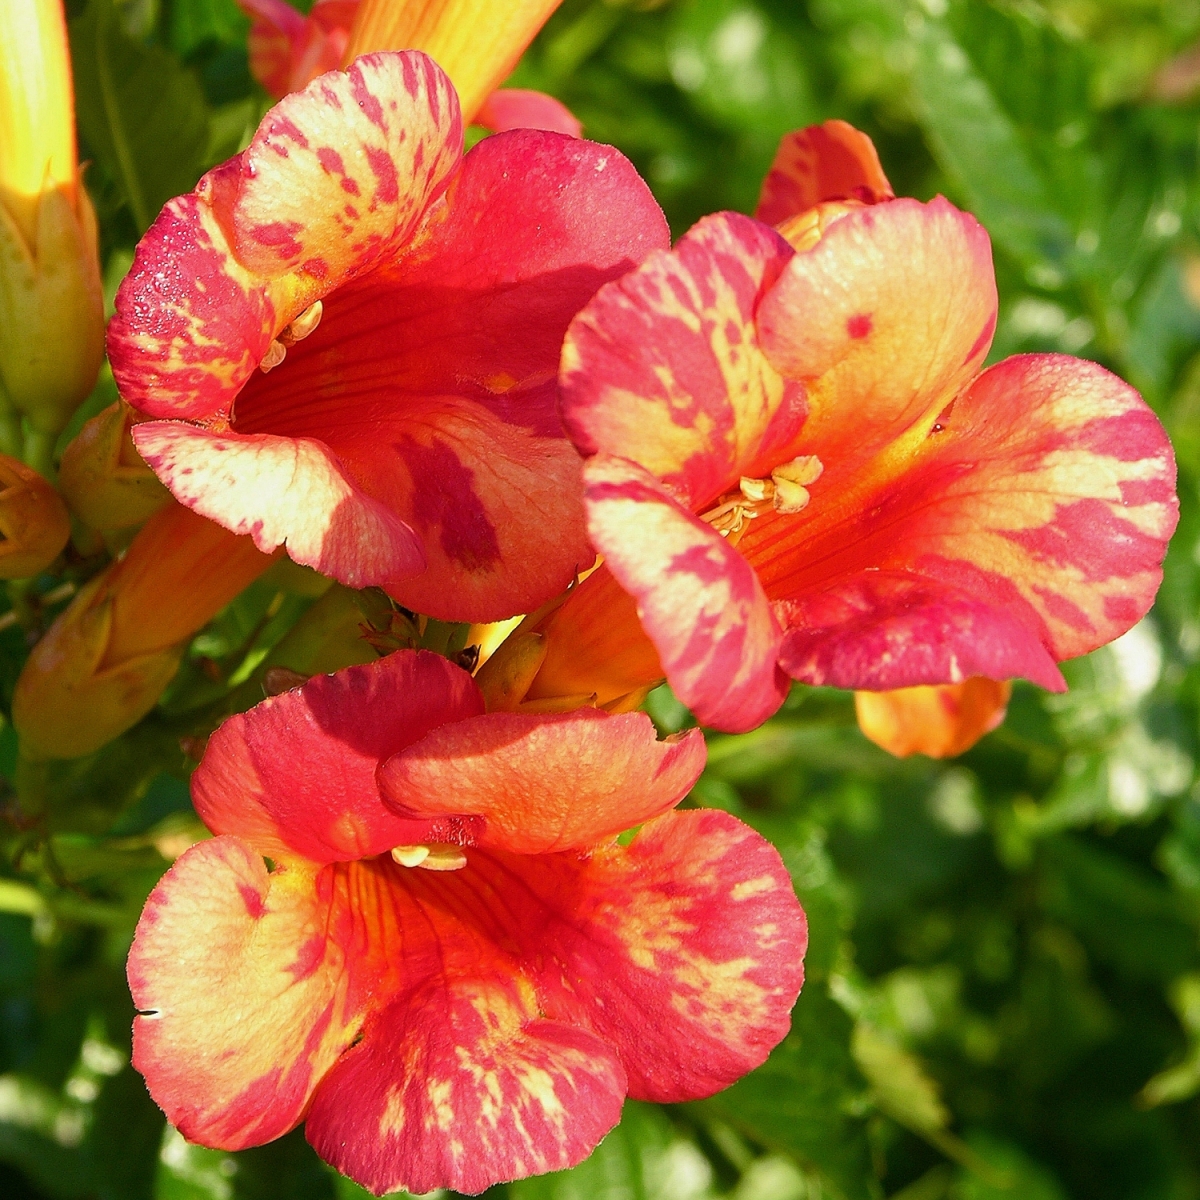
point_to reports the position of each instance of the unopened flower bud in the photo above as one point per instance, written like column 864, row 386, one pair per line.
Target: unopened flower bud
column 33, row 521
column 940, row 720
column 103, row 478
column 51, row 304
column 106, row 660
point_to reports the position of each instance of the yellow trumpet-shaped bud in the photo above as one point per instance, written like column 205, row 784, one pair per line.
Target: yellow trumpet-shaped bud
column 51, row 304
column 103, row 478
column 106, row 660
column 33, row 521
column 476, row 42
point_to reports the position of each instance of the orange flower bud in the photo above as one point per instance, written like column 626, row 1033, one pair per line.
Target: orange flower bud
column 940, row 721
column 106, row 660
column 476, row 42
column 33, row 521
column 51, row 305
column 104, row 480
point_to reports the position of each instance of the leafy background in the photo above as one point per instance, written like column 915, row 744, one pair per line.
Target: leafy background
column 1004, row 983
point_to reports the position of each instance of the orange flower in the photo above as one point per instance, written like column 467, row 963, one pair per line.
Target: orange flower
column 940, row 720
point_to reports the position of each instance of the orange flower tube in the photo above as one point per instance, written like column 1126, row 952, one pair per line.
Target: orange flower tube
column 940, row 720
column 476, row 42
column 51, row 306
column 106, row 660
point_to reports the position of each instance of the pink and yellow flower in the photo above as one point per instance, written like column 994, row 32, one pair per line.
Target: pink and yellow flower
column 409, row 305
column 450, row 968
column 797, row 468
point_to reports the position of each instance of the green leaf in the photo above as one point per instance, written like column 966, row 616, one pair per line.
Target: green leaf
column 141, row 113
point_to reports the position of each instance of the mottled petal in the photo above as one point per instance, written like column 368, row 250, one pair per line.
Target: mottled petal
column 242, row 996
column 519, row 108
column 510, row 772
column 684, row 950
column 288, row 50
column 1039, row 511
column 698, row 599
column 283, row 491
column 940, row 721
column 663, row 367
column 463, row 1085
column 882, row 630
column 336, row 174
column 833, row 161
column 887, row 318
column 296, row 774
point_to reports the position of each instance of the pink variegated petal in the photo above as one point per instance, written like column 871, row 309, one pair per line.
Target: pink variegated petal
column 336, row 175
column 887, row 318
column 519, row 108
column 277, row 35
column 684, row 950
column 833, row 161
column 463, row 1085
column 698, row 599
column 881, row 630
column 296, row 774
column 663, row 367
column 283, row 491
column 244, row 998
column 507, row 770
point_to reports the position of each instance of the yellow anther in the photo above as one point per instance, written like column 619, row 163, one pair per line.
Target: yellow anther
column 435, row 856
column 784, row 491
column 276, row 353
column 303, row 325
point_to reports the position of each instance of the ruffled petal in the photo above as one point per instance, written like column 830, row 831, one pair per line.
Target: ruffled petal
column 881, row 630
column 833, row 161
column 336, row 175
column 663, row 366
column 243, row 996
column 698, row 599
column 683, row 949
column 462, row 1085
column 941, row 721
column 519, row 108
column 295, row 776
column 283, row 491
column 507, row 770
column 1045, row 500
column 887, row 319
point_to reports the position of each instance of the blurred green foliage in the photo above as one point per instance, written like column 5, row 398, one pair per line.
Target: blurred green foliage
column 1003, row 994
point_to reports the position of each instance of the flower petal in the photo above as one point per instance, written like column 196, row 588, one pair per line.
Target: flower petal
column 283, row 491
column 335, row 175
column 511, row 770
column 698, row 599
column 1046, row 498
column 663, row 366
column 882, row 630
column 887, row 318
column 288, row 50
column 295, row 776
column 833, row 161
column 243, row 998
column 941, row 721
column 683, row 949
column 462, row 1085
column 519, row 108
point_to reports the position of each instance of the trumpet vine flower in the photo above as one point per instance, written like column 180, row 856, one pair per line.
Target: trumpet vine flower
column 349, row 334
column 797, row 466
column 940, row 721
column 416, row 931
column 288, row 50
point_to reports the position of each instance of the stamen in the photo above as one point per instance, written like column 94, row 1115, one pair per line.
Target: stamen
column 435, row 856
column 276, row 353
column 302, row 325
column 784, row 491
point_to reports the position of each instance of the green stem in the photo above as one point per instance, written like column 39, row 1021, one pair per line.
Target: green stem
column 10, row 431
column 39, row 452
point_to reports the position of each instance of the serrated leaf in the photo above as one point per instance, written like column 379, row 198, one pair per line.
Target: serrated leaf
column 141, row 113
